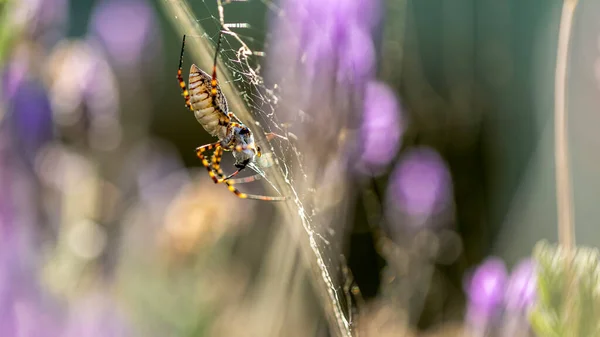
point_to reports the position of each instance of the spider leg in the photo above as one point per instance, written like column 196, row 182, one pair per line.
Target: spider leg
column 251, row 196
column 213, row 167
column 239, row 194
column 239, row 148
column 216, row 164
column 216, row 159
column 271, row 135
column 200, row 153
column 184, row 90
column 231, row 115
column 213, row 82
column 217, row 167
column 235, row 173
column 288, row 135
column 246, row 179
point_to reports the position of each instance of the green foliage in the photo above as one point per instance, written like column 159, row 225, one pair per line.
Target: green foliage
column 7, row 29
column 555, row 315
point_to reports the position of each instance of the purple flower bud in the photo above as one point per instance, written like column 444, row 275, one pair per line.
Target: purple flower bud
column 521, row 288
column 421, row 184
column 381, row 128
column 485, row 289
column 125, row 28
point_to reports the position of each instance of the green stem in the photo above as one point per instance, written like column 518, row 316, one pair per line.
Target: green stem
column 564, row 189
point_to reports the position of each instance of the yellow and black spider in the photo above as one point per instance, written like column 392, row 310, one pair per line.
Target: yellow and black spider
column 209, row 105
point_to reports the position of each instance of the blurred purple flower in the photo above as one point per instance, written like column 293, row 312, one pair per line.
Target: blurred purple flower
column 44, row 20
column 421, row 184
column 322, row 57
column 7, row 267
column 334, row 34
column 24, row 310
column 12, row 76
column 97, row 316
column 521, row 288
column 357, row 62
column 31, row 117
column 365, row 13
column 6, row 207
column 52, row 12
column 52, row 21
column 485, row 290
column 314, row 16
column 381, row 128
column 84, row 92
column 350, row 46
column 318, row 61
column 127, row 29
column 159, row 173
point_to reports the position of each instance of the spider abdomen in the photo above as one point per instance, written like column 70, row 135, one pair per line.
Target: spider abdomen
column 208, row 110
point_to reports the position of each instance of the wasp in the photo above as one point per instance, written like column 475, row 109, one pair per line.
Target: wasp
column 209, row 105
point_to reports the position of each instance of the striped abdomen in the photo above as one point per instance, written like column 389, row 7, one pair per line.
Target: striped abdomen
column 212, row 115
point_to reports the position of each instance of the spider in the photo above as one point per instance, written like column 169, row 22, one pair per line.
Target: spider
column 209, row 105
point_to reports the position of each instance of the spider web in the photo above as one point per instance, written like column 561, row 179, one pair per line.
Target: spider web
column 240, row 70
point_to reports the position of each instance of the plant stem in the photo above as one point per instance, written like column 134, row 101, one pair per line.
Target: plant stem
column 564, row 189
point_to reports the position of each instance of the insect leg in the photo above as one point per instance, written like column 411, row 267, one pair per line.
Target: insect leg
column 184, row 90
